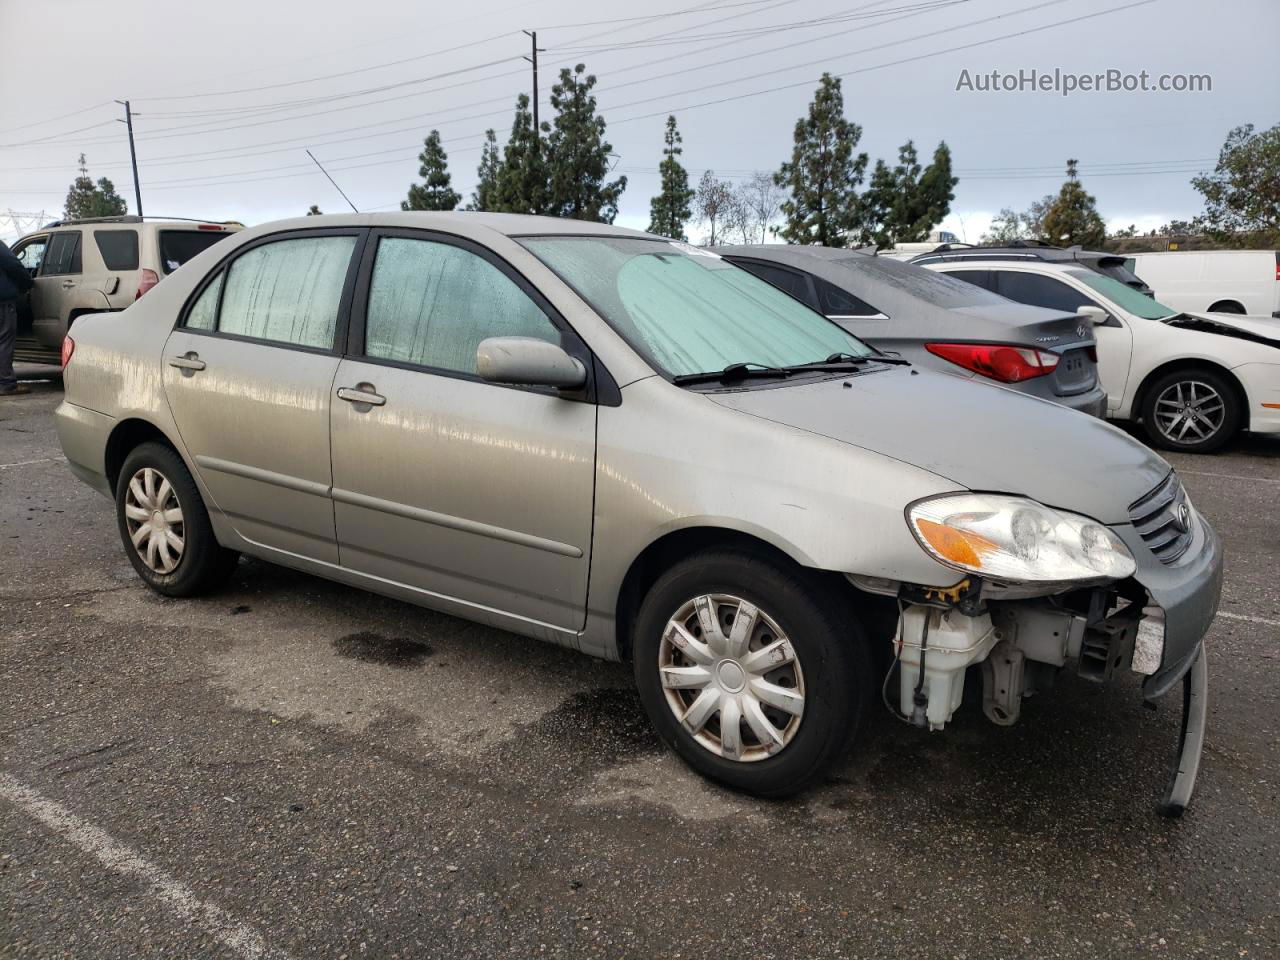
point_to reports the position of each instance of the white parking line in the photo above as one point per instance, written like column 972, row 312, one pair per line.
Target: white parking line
column 181, row 899
column 1240, row 616
column 24, row 463
column 1228, row 476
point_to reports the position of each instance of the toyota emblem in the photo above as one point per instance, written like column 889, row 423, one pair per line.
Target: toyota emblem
column 1183, row 520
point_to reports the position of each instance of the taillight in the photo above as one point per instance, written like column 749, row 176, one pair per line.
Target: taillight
column 1278, row 264
column 146, row 282
column 68, row 348
column 1008, row 364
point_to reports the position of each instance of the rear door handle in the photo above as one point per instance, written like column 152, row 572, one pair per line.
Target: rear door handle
column 68, row 284
column 361, row 393
column 190, row 362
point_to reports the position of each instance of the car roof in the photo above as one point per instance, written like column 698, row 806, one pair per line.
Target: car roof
column 1018, row 250
column 466, row 222
column 793, row 253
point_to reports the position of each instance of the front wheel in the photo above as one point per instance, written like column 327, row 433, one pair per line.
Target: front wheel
column 165, row 527
column 752, row 672
column 1193, row 410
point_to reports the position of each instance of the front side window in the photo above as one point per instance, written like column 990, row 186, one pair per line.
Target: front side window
column 430, row 304
column 119, row 248
column 687, row 310
column 31, row 253
column 1124, row 296
column 63, row 255
column 287, row 291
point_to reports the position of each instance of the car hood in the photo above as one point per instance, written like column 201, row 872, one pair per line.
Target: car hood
column 1259, row 329
column 977, row 435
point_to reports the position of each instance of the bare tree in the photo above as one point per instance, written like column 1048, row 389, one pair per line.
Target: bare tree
column 760, row 198
column 713, row 204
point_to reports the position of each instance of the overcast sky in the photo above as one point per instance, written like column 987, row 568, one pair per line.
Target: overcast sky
column 229, row 98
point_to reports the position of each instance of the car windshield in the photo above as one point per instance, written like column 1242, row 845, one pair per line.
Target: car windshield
column 1125, row 297
column 687, row 310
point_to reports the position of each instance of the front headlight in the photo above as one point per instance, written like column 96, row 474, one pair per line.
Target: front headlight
column 1016, row 539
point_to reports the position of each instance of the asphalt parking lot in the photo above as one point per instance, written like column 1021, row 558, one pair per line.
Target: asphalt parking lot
column 292, row 768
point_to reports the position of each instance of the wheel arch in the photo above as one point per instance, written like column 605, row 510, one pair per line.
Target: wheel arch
column 1192, row 363
column 1227, row 305
column 675, row 545
column 124, row 437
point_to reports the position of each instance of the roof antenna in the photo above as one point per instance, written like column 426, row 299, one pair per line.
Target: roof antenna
column 334, row 182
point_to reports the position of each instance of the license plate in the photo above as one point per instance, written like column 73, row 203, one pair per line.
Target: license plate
column 1073, row 365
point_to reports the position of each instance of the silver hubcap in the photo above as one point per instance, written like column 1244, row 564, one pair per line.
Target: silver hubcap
column 1189, row 411
column 731, row 677
column 153, row 517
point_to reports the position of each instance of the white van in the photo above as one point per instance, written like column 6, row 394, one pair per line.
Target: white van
column 1213, row 281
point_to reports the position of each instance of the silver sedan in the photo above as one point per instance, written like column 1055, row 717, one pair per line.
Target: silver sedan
column 628, row 446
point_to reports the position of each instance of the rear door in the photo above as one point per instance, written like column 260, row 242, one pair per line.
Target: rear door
column 55, row 288
column 476, row 495
column 249, row 377
column 117, row 248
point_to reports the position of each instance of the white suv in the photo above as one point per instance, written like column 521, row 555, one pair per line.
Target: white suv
column 1193, row 381
column 98, row 266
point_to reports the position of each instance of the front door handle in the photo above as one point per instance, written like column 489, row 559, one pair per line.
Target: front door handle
column 190, row 361
column 361, row 393
column 68, row 284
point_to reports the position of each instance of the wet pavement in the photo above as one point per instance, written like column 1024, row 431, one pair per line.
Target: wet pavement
column 291, row 768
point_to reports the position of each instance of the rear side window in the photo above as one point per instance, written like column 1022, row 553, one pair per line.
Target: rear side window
column 63, row 254
column 430, row 304
column 841, row 303
column 788, row 281
column 1040, row 291
column 179, row 246
column 119, row 248
column 979, row 278
column 287, row 291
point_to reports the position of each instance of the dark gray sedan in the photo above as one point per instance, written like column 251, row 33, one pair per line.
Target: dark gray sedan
column 950, row 326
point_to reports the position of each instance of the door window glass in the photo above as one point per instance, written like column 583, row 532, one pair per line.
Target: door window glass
column 1040, row 291
column 787, row 281
column 203, row 314
column 119, row 248
column 979, row 278
column 63, row 255
column 431, row 304
column 287, row 291
column 841, row 303
column 32, row 253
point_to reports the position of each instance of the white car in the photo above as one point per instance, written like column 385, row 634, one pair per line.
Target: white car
column 1193, row 380
column 1213, row 281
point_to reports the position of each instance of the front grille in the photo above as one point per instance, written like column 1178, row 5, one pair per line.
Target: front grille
column 1163, row 519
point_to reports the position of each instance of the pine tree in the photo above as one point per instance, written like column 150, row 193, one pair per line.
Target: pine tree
column 669, row 210
column 522, row 176
column 488, row 173
column 903, row 204
column 578, row 154
column 877, row 207
column 823, row 173
column 1073, row 218
column 85, row 200
column 314, row 211
column 434, row 193
column 934, row 192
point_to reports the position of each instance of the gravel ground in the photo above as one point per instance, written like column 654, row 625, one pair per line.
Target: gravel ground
column 292, row 768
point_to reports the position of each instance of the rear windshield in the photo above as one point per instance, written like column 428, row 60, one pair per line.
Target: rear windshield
column 179, row 246
column 914, row 281
column 119, row 248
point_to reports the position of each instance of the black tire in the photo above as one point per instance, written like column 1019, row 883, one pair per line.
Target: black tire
column 829, row 644
column 1227, row 306
column 1228, row 427
column 203, row 564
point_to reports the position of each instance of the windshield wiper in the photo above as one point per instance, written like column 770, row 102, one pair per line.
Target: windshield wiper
column 838, row 361
column 733, row 372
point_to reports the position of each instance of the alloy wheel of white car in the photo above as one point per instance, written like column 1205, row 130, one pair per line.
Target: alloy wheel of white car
column 1189, row 411
column 731, row 677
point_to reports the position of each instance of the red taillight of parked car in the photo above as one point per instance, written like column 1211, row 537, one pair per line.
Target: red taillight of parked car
column 1005, row 363
column 68, row 348
column 148, row 280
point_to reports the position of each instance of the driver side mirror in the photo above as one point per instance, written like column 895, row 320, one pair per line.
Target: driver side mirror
column 527, row 361
column 1096, row 314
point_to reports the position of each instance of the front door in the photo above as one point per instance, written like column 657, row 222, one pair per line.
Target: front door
column 475, row 495
column 55, row 288
column 249, row 377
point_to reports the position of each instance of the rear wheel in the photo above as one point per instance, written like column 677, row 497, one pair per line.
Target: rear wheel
column 165, row 527
column 1194, row 410
column 753, row 674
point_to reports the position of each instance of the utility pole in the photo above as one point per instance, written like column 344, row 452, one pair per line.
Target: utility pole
column 533, row 37
column 133, row 154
